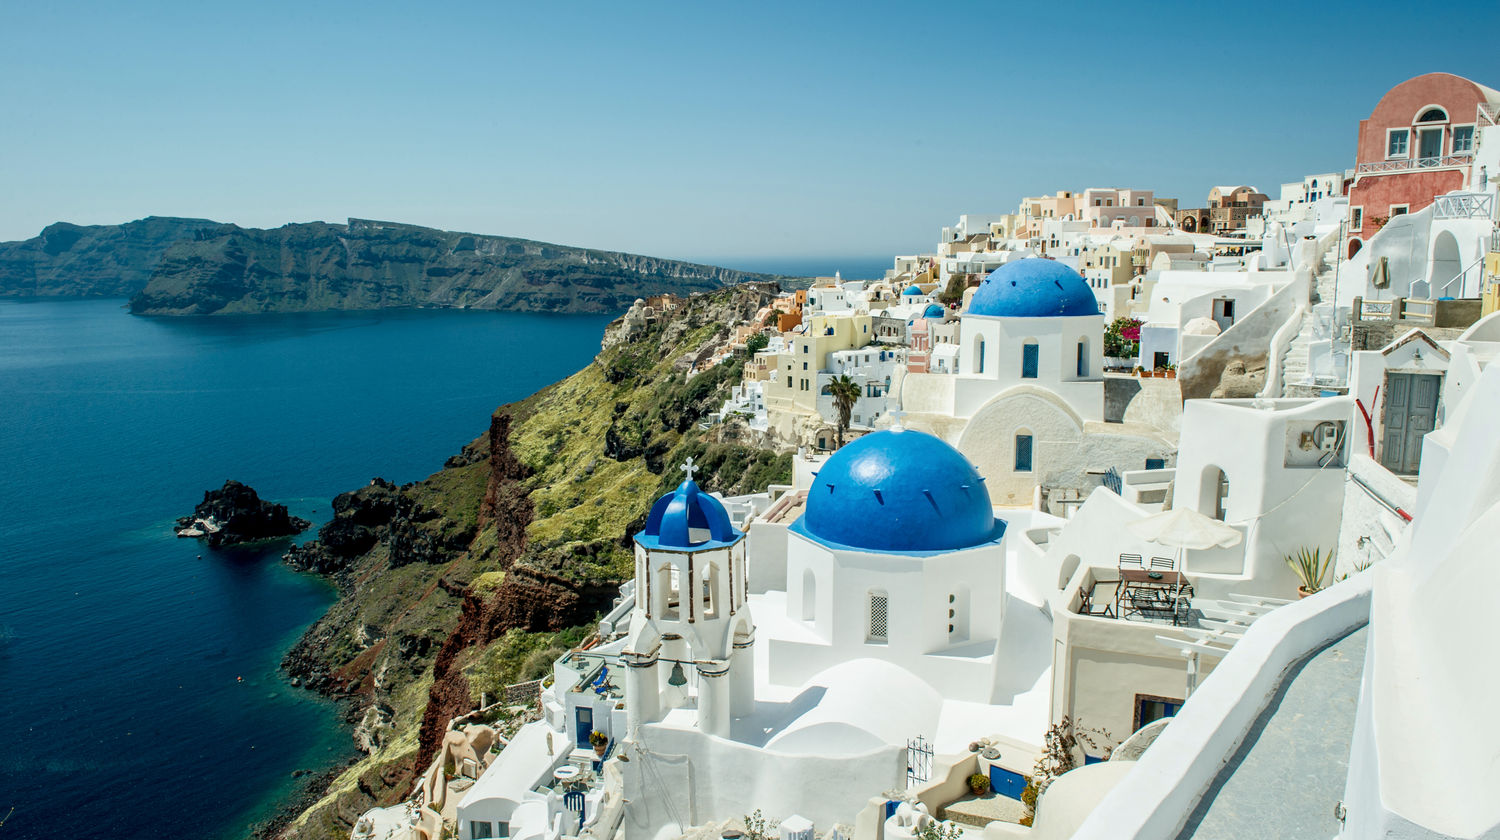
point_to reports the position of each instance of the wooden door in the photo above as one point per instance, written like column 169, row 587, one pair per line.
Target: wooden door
column 1410, row 412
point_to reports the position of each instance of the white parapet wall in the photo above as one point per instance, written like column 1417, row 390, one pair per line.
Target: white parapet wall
column 1155, row 799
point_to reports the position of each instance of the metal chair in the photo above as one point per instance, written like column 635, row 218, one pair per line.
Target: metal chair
column 1131, row 561
column 1163, row 563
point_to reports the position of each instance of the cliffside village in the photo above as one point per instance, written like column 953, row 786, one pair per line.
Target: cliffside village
column 1111, row 518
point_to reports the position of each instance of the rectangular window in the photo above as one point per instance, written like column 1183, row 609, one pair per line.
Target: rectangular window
column 1463, row 139
column 1395, row 146
column 1156, row 463
column 1023, row 453
column 1150, row 708
column 1030, row 353
column 481, row 830
column 1356, row 218
column 1399, row 209
column 879, row 617
column 1083, row 362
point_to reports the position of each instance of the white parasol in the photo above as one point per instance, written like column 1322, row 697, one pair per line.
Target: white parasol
column 1185, row 528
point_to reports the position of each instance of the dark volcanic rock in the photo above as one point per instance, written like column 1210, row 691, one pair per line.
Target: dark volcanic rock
column 376, row 265
column 234, row 514
column 69, row 260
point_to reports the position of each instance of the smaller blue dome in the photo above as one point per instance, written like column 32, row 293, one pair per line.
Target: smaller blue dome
column 934, row 310
column 688, row 519
column 912, row 290
column 1033, row 288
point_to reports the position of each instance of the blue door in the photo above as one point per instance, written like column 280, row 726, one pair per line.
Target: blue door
column 1029, row 355
column 585, row 725
column 1006, row 783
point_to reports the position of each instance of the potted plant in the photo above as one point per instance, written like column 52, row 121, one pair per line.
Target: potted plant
column 979, row 784
column 1172, row 371
column 1312, row 568
column 1139, row 371
column 599, row 741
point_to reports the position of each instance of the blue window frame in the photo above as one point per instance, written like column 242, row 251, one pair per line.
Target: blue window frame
column 1030, row 354
column 1156, row 463
column 1023, row 453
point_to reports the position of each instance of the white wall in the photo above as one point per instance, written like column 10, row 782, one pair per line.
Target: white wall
column 688, row 777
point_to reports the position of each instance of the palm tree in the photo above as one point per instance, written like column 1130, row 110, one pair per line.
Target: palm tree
column 845, row 393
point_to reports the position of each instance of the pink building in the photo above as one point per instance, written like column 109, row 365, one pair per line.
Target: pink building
column 1417, row 144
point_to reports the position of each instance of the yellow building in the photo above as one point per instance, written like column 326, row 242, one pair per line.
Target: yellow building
column 794, row 394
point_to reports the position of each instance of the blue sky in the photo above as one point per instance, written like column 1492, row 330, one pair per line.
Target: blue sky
column 698, row 130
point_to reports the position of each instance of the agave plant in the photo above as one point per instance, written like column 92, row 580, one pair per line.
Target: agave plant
column 1312, row 567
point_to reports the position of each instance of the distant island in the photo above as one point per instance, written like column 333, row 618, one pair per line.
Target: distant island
column 172, row 266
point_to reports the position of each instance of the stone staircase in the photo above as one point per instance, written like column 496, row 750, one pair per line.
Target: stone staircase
column 1317, row 325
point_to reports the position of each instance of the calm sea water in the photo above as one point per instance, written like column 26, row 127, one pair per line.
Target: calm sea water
column 139, row 691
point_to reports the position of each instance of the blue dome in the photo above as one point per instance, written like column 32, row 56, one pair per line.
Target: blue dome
column 687, row 518
column 899, row 491
column 912, row 290
column 934, row 310
column 1033, row 288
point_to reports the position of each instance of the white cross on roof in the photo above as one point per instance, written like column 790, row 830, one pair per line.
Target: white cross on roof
column 688, row 467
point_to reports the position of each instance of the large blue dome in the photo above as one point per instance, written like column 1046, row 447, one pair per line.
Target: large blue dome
column 934, row 310
column 687, row 519
column 1033, row 288
column 899, row 491
column 912, row 290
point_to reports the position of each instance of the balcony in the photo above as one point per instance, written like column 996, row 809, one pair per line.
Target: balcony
column 1464, row 206
column 1383, row 167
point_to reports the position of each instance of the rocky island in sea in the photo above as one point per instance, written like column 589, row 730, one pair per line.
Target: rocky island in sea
column 236, row 514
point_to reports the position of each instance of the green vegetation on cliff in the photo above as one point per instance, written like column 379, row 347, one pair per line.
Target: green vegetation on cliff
column 482, row 574
column 376, row 265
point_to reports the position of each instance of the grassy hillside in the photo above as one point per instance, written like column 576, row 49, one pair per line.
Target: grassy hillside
column 480, row 575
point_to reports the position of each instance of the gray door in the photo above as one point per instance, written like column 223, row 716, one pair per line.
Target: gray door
column 1410, row 412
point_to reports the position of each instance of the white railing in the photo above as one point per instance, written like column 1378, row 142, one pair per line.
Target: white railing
column 1464, row 206
column 1488, row 114
column 1461, row 279
column 1408, row 164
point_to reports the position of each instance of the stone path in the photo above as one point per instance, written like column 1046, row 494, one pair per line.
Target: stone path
column 1286, row 777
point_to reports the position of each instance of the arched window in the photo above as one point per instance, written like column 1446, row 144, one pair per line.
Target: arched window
column 1083, row 357
column 668, row 583
column 1433, row 115
column 1030, row 355
column 979, row 355
column 878, row 630
column 809, row 595
column 710, row 590
column 1023, row 452
column 1213, row 493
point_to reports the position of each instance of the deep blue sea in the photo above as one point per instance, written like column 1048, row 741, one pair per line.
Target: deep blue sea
column 139, row 690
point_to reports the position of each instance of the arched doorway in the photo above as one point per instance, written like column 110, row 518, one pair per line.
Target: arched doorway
column 809, row 595
column 1445, row 267
column 1354, row 246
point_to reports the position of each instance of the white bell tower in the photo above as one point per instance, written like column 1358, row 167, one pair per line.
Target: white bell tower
column 691, row 634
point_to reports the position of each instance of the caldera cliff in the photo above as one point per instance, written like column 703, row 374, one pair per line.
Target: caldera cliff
column 482, row 574
column 378, row 265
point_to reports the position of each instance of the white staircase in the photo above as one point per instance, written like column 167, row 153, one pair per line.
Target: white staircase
column 1317, row 325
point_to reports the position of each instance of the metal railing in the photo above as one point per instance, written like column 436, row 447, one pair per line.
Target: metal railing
column 1461, row 279
column 1409, row 164
column 1464, row 206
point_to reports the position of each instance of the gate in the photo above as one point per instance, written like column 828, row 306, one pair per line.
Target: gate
column 918, row 761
